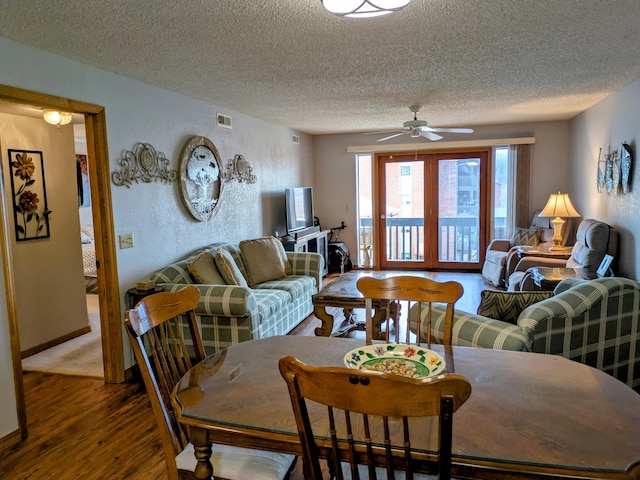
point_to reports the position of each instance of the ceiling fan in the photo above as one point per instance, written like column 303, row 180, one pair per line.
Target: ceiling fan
column 419, row 128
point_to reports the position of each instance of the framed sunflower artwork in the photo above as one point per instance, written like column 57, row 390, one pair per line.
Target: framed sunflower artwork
column 30, row 211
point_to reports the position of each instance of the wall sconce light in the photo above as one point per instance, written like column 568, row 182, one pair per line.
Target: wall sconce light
column 56, row 118
column 364, row 8
column 558, row 206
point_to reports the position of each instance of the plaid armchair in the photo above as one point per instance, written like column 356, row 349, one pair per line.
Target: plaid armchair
column 595, row 322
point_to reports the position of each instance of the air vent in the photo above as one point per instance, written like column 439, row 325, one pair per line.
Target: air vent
column 295, row 139
column 224, row 121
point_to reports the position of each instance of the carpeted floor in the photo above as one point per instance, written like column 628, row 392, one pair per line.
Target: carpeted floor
column 81, row 356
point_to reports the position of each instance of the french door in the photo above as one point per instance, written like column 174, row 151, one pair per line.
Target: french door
column 431, row 210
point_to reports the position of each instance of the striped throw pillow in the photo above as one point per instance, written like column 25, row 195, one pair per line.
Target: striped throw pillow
column 526, row 236
column 507, row 306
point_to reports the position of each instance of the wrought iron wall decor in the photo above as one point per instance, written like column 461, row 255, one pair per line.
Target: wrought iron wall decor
column 240, row 170
column 616, row 177
column 200, row 178
column 143, row 164
column 29, row 193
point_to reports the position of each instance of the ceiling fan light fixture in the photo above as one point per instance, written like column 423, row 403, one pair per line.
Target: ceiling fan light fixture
column 55, row 117
column 364, row 8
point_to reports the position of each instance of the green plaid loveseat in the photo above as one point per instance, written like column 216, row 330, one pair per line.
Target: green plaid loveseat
column 230, row 314
column 595, row 322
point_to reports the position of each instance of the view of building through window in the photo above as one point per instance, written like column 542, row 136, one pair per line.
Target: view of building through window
column 458, row 185
column 500, row 191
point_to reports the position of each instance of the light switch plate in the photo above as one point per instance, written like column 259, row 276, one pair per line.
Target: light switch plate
column 126, row 240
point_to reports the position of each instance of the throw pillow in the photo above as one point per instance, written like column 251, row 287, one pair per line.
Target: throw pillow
column 204, row 270
column 228, row 268
column 507, row 306
column 263, row 259
column 526, row 236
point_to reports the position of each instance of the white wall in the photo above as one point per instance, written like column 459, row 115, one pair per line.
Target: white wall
column 136, row 112
column 607, row 124
column 335, row 173
column 49, row 277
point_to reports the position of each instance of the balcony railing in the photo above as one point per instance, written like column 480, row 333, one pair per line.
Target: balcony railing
column 458, row 240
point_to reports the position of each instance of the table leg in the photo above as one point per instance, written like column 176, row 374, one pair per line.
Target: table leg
column 202, row 446
column 326, row 318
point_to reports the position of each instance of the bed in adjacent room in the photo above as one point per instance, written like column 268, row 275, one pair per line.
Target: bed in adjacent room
column 89, row 259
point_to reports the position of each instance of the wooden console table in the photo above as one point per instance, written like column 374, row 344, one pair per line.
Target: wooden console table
column 317, row 242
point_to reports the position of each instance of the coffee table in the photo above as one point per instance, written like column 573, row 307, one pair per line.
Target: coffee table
column 342, row 293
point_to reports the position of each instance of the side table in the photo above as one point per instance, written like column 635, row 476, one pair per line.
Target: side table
column 547, row 278
column 527, row 251
column 134, row 295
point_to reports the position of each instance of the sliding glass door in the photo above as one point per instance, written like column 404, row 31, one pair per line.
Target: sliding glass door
column 431, row 210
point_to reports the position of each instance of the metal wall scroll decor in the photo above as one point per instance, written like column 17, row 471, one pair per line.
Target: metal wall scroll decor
column 200, row 178
column 240, row 170
column 143, row 164
column 616, row 177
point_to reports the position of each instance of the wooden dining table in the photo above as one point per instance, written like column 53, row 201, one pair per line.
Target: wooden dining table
column 530, row 415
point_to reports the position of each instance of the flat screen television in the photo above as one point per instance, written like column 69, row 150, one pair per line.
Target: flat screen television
column 298, row 208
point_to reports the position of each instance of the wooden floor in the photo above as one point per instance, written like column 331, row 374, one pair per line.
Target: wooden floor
column 82, row 428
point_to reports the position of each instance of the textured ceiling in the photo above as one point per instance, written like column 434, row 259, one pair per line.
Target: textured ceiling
column 469, row 62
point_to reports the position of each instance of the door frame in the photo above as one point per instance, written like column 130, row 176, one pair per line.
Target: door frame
column 429, row 156
column 102, row 210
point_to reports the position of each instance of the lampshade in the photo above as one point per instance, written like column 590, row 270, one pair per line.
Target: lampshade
column 56, row 118
column 559, row 205
column 364, row 8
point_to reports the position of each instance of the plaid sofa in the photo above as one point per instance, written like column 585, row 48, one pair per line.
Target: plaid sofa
column 230, row 314
column 595, row 322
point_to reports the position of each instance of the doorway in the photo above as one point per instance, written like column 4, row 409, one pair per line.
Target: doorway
column 431, row 210
column 108, row 288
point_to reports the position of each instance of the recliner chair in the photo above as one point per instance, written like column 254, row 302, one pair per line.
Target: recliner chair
column 594, row 240
column 496, row 269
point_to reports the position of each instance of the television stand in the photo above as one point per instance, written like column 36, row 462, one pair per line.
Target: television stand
column 306, row 232
column 316, row 241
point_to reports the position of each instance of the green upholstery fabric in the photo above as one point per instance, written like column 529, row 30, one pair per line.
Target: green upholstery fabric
column 526, row 236
column 229, row 314
column 595, row 322
column 507, row 306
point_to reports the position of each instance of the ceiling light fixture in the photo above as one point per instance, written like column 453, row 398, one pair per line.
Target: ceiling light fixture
column 56, row 118
column 364, row 8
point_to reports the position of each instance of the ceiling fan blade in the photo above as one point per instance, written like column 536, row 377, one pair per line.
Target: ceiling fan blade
column 392, row 136
column 450, row 130
column 378, row 132
column 430, row 135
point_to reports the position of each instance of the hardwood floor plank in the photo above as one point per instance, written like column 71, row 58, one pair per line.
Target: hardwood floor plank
column 82, row 428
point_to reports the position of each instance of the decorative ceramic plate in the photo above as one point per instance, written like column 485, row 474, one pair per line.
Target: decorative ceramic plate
column 405, row 360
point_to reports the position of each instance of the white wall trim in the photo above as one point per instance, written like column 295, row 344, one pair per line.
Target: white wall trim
column 400, row 147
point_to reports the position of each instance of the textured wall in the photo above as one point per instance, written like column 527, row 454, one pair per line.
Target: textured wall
column 607, row 125
column 163, row 229
column 335, row 169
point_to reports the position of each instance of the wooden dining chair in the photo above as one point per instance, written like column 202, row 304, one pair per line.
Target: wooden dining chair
column 403, row 292
column 160, row 349
column 370, row 427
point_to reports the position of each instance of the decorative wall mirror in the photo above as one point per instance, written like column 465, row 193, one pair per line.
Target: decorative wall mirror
column 200, row 179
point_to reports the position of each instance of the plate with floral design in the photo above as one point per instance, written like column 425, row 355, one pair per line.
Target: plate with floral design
column 406, row 360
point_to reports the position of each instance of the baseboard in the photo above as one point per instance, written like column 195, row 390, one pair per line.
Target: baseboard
column 10, row 441
column 56, row 341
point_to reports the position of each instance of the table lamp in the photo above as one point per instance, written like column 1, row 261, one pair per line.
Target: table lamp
column 558, row 206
